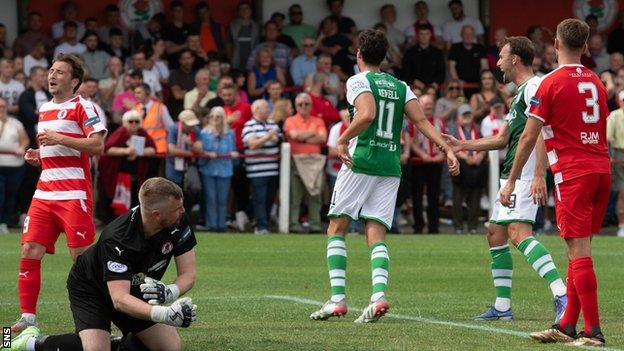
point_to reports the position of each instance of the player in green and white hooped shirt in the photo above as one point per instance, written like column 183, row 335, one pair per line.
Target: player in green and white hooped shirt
column 367, row 184
column 515, row 223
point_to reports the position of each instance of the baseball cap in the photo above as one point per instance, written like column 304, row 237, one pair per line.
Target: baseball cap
column 131, row 115
column 463, row 109
column 188, row 117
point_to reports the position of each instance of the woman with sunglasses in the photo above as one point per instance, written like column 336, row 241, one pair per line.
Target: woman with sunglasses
column 446, row 106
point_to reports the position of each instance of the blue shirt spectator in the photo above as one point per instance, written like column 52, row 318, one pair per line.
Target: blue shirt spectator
column 305, row 63
column 218, row 144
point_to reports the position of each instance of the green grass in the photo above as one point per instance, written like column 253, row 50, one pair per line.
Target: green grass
column 443, row 278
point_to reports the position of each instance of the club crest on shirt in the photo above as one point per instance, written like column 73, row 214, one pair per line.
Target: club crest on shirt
column 61, row 114
column 167, row 247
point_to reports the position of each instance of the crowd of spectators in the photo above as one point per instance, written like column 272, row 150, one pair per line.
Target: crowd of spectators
column 207, row 104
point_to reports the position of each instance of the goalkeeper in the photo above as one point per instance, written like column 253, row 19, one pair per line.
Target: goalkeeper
column 118, row 280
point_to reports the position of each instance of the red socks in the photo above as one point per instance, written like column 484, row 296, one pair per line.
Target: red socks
column 29, row 284
column 587, row 290
column 573, row 308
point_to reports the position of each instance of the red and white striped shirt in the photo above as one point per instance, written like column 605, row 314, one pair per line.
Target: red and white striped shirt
column 65, row 172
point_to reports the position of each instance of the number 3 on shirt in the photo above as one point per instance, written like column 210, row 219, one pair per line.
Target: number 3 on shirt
column 590, row 102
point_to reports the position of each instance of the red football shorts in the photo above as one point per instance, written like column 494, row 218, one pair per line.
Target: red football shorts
column 48, row 218
column 581, row 204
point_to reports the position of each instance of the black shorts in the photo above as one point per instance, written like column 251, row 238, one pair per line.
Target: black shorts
column 92, row 309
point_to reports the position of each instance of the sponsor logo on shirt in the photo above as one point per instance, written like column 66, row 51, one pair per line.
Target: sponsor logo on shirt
column 116, row 267
column 61, row 114
column 590, row 138
column 91, row 121
column 534, row 101
column 383, row 144
column 167, row 247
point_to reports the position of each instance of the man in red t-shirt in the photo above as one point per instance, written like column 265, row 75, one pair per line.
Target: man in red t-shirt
column 570, row 109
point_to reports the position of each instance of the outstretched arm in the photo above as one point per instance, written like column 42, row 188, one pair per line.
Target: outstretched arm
column 492, row 142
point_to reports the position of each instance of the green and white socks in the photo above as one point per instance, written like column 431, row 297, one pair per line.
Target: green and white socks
column 337, row 266
column 502, row 270
column 539, row 258
column 379, row 268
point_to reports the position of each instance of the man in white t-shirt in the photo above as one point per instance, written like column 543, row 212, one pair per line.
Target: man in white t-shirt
column 10, row 89
column 493, row 123
column 71, row 45
column 36, row 57
column 139, row 62
column 70, row 14
column 452, row 28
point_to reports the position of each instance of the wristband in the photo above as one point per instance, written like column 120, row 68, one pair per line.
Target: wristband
column 158, row 314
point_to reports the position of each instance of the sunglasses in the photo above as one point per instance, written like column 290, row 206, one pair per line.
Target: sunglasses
column 134, row 121
column 303, row 104
column 453, row 88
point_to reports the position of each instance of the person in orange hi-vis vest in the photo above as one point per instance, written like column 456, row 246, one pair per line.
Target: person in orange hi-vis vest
column 156, row 117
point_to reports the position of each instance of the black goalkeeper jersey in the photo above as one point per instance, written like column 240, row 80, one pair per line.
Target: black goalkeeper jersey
column 123, row 253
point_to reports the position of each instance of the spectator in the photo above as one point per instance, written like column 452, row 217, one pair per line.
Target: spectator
column 156, row 118
column 616, row 62
column 262, row 137
column 264, row 71
column 596, row 57
column 333, row 90
column 89, row 91
column 446, row 106
column 615, row 40
column 280, row 52
column 94, row 59
column 423, row 63
column 282, row 108
column 36, row 57
column 10, row 89
column 426, row 172
column 91, row 25
column 214, row 72
column 122, row 159
column 175, row 33
column 534, row 33
column 194, row 45
column 197, row 98
column 126, row 100
column 244, row 35
column 18, row 66
column 237, row 113
column 454, row 28
column 70, row 45
column 115, row 44
column 113, row 83
column 216, row 170
column 592, row 22
column 113, row 21
column 346, row 25
column 467, row 186
column 69, row 12
column 345, row 61
column 388, row 16
column 615, row 136
column 306, row 134
column 330, row 40
column 296, row 29
column 421, row 10
column 333, row 162
column 239, row 80
column 549, row 59
column 25, row 43
column 490, row 90
column 393, row 60
column 278, row 18
column 274, row 92
column 210, row 32
column 492, row 124
column 139, row 63
column 321, row 107
column 492, row 52
column 13, row 145
column 156, row 63
column 183, row 143
column 466, row 59
column 305, row 63
column 145, row 35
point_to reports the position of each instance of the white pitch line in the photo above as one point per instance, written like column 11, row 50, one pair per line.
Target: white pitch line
column 429, row 320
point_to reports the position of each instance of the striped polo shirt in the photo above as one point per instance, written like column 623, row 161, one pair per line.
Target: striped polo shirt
column 261, row 166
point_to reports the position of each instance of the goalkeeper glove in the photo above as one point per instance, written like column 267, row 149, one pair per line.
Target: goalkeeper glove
column 156, row 292
column 180, row 314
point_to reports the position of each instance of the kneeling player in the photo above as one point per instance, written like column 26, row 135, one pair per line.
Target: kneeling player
column 111, row 280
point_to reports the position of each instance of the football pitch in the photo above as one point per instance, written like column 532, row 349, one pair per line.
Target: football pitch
column 256, row 293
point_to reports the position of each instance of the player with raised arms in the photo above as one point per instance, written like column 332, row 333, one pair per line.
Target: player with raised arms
column 570, row 110
column 515, row 222
column 366, row 186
